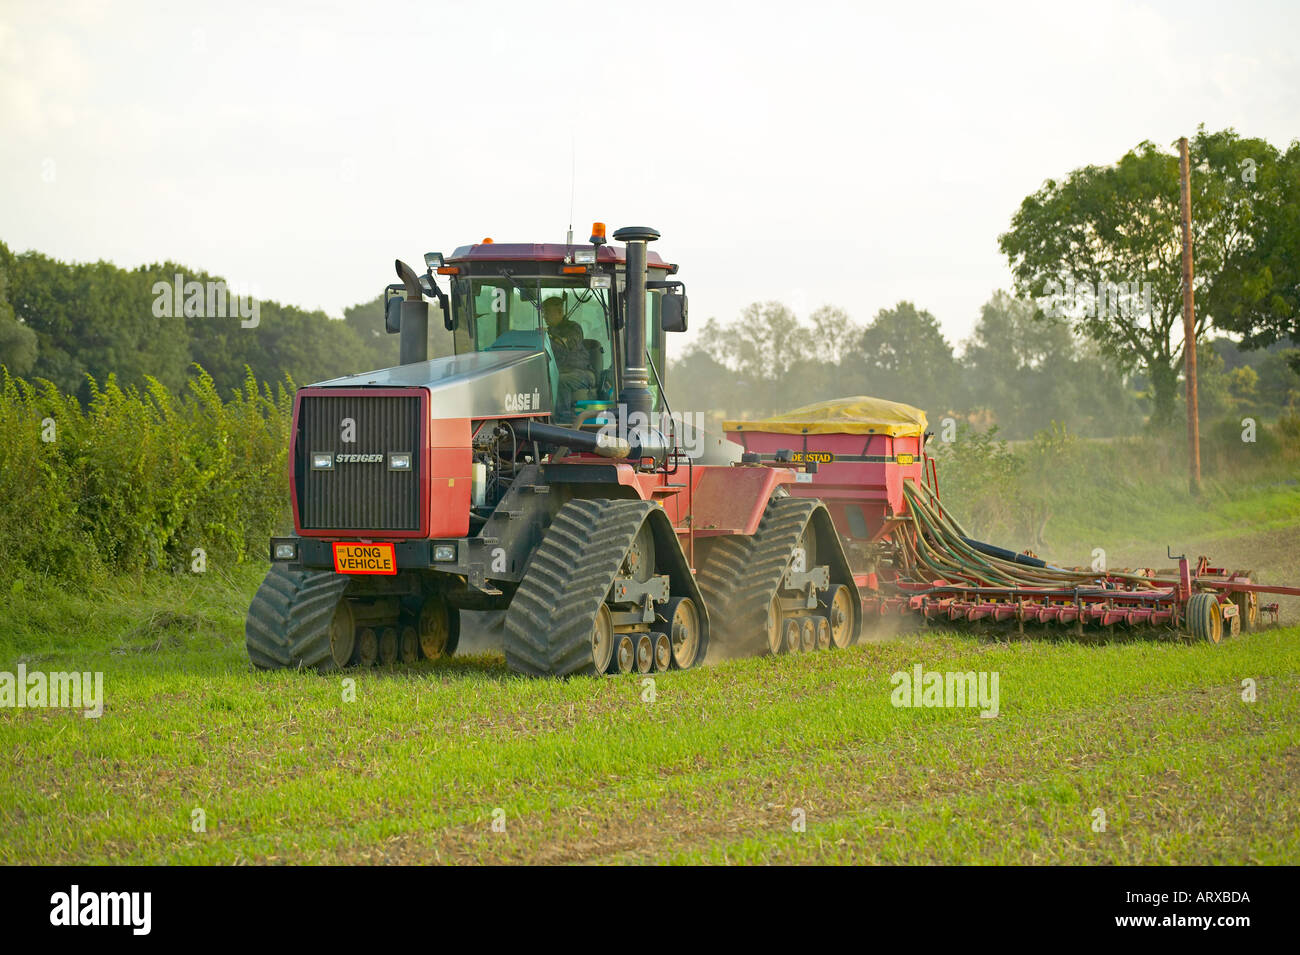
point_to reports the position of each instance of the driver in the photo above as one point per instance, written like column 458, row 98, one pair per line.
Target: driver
column 568, row 342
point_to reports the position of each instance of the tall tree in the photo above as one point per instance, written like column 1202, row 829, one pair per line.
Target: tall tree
column 902, row 355
column 1259, row 295
column 1027, row 372
column 1102, row 248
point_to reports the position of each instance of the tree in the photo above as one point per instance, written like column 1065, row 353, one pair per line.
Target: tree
column 17, row 341
column 1259, row 295
column 1027, row 372
column 1102, row 248
column 903, row 356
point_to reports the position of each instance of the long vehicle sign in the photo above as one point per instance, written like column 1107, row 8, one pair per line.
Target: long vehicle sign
column 365, row 559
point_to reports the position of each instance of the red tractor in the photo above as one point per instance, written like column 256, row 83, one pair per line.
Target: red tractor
column 537, row 469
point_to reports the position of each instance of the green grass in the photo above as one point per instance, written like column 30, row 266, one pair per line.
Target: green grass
column 1163, row 511
column 1154, row 733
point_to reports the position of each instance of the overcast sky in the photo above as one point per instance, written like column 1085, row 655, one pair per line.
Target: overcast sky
column 809, row 152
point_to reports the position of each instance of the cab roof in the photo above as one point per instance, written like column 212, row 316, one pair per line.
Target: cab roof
column 546, row 252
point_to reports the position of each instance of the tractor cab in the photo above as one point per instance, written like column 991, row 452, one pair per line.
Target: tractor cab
column 566, row 300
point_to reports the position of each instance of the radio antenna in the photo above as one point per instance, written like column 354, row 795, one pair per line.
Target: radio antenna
column 573, row 178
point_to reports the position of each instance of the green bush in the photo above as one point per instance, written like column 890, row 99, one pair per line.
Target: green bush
column 138, row 480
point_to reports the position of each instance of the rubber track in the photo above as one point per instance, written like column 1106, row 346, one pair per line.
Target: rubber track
column 288, row 623
column 548, row 624
column 742, row 578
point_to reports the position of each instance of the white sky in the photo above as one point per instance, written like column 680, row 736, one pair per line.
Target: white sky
column 808, row 152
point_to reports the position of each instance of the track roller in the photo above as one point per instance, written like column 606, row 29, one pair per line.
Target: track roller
column 808, row 635
column 823, row 633
column 663, row 652
column 388, row 646
column 367, row 647
column 624, row 654
column 792, row 635
column 645, row 653
column 409, row 644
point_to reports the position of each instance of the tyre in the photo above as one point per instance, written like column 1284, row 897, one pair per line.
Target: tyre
column 1205, row 618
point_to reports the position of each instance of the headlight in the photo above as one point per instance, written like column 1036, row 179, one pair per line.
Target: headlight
column 444, row 552
column 585, row 256
column 322, row 461
column 399, row 461
column 286, row 550
column 600, row 281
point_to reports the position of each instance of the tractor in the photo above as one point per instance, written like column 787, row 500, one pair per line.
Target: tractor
column 535, row 468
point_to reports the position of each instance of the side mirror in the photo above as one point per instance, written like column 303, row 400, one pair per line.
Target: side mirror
column 393, row 316
column 393, row 309
column 672, row 312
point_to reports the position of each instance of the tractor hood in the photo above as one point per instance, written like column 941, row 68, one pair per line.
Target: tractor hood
column 489, row 384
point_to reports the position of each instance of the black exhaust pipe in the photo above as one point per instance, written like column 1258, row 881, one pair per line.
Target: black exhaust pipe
column 636, row 382
column 593, row 441
column 414, row 342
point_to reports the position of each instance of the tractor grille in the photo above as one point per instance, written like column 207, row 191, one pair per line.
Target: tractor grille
column 359, row 495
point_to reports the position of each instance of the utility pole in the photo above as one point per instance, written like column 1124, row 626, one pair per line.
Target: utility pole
column 1189, row 324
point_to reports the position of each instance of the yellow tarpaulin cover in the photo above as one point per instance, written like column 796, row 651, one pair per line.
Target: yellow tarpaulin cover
column 856, row 415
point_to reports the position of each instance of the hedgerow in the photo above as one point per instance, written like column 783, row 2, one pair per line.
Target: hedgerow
column 139, row 479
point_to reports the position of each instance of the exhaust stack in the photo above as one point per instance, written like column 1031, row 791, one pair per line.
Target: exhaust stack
column 636, row 383
column 414, row 341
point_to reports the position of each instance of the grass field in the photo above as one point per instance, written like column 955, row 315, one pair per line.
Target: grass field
column 720, row 767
